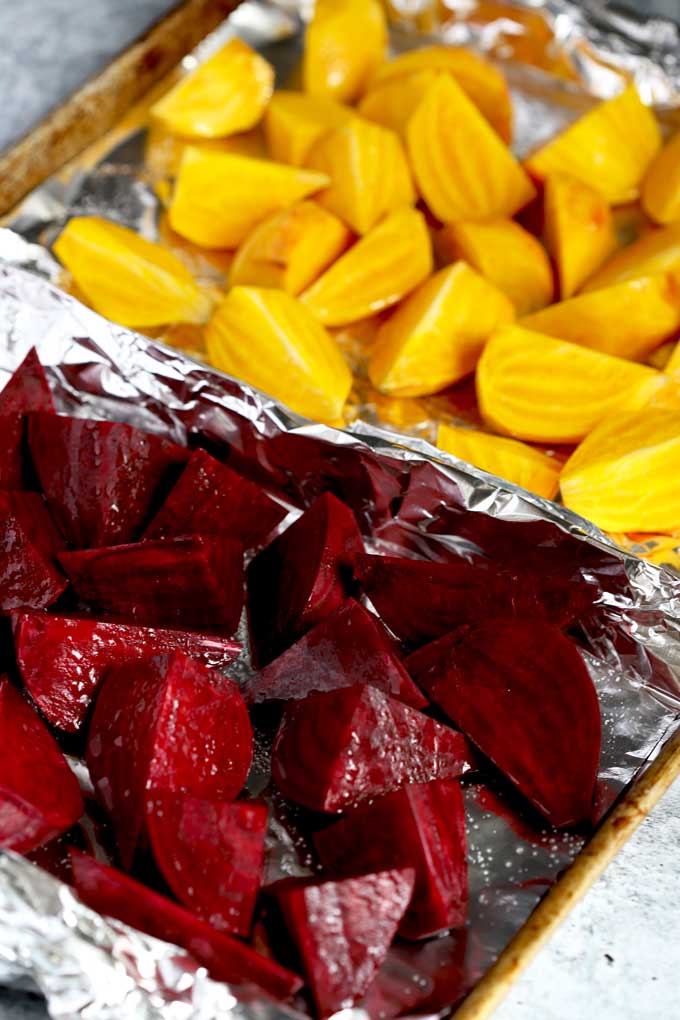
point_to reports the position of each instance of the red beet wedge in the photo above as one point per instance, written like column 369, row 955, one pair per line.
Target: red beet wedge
column 300, row 578
column 28, row 389
column 114, row 894
column 165, row 723
column 211, row 499
column 63, row 659
column 350, row 646
column 336, row 749
column 12, row 451
column 194, row 582
column 211, row 855
column 521, row 692
column 421, row 826
column 39, row 795
column 29, row 544
column 99, row 477
column 343, row 930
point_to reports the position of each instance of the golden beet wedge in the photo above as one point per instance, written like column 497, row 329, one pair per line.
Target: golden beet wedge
column 462, row 168
column 505, row 254
column 544, row 390
column 437, row 334
column 270, row 340
column 128, row 279
column 579, row 230
column 624, row 475
column 479, row 79
column 290, row 249
column 226, row 94
column 610, row 148
column 294, row 121
column 657, row 251
column 393, row 101
column 375, row 273
column 628, row 320
column 661, row 186
column 219, row 197
column 345, row 43
column 507, row 458
column 368, row 171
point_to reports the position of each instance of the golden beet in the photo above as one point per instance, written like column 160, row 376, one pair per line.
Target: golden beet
column 294, row 121
column 657, row 251
column 345, row 42
column 507, row 458
column 661, row 186
column 579, row 230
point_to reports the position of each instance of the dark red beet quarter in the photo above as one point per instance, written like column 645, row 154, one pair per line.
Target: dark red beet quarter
column 521, row 692
column 29, row 544
column 28, row 389
column 336, row 749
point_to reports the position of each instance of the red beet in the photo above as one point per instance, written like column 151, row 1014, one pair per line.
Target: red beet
column 11, row 451
column 420, row 826
column 521, row 692
column 302, row 576
column 29, row 543
column 166, row 723
column 114, row 894
column 211, row 854
column 343, row 930
column 99, row 477
column 192, row 582
column 39, row 795
column 28, row 389
column 63, row 659
column 336, row 749
column 350, row 646
column 211, row 499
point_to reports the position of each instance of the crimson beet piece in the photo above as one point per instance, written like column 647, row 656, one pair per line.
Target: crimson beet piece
column 350, row 646
column 39, row 795
column 165, row 723
column 302, row 576
column 62, row 659
column 521, row 692
column 29, row 544
column 211, row 499
column 11, row 451
column 336, row 749
column 343, row 930
column 211, row 854
column 28, row 389
column 114, row 894
column 420, row 826
column 193, row 582
column 99, row 477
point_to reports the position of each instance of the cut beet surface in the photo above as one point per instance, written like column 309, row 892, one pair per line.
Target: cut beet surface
column 39, row 795
column 99, row 477
column 28, row 389
column 62, row 659
column 300, row 578
column 343, row 930
column 194, row 582
column 114, row 894
column 211, row 854
column 336, row 749
column 29, row 544
column 420, row 826
column 521, row 692
column 12, row 458
column 165, row 723
column 350, row 646
column 211, row 499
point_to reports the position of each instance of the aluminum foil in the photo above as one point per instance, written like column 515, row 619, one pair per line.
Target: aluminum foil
column 88, row 966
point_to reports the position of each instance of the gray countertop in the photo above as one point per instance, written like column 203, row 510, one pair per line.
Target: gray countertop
column 618, row 955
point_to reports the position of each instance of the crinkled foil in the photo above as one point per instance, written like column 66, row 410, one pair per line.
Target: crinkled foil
column 87, row 966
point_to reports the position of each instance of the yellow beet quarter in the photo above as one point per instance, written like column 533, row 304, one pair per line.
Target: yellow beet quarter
column 128, row 279
column 220, row 197
column 610, row 148
column 294, row 121
column 462, row 168
column 507, row 458
column 437, row 334
column 661, row 187
column 624, row 475
column 579, row 230
column 226, row 94
column 268, row 339
column 658, row 251
column 345, row 43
